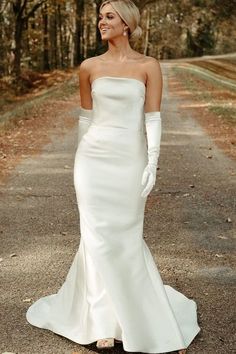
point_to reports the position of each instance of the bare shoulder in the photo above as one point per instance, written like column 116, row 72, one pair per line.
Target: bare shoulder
column 87, row 64
column 86, row 69
column 152, row 63
column 152, row 68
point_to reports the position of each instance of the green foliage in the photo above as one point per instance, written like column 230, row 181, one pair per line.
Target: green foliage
column 203, row 41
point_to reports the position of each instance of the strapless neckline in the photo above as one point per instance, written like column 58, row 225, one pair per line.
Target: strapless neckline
column 119, row 78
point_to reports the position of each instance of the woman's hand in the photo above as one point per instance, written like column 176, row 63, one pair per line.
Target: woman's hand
column 148, row 179
column 153, row 129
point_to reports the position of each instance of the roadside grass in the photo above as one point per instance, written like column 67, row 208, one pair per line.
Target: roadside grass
column 217, row 98
column 225, row 67
column 227, row 113
column 16, row 108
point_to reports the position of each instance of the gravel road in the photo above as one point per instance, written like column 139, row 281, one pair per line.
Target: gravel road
column 189, row 227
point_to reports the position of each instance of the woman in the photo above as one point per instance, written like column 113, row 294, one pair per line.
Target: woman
column 113, row 290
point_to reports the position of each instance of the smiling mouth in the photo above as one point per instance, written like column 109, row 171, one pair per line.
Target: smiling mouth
column 104, row 30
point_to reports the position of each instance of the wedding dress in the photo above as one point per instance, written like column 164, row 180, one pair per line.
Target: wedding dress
column 113, row 287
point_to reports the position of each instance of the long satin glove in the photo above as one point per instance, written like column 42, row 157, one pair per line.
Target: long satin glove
column 85, row 119
column 153, row 129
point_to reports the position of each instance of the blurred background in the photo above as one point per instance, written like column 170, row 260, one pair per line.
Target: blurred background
column 43, row 42
column 42, row 35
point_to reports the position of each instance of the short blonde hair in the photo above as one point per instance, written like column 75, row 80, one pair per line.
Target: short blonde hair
column 129, row 13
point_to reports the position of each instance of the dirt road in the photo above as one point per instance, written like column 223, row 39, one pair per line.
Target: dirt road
column 189, row 227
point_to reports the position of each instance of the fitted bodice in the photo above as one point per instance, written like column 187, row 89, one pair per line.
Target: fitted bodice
column 118, row 102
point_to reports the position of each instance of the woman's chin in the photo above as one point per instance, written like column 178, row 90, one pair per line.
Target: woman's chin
column 105, row 36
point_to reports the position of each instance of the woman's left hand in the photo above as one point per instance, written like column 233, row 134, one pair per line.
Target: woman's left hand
column 148, row 179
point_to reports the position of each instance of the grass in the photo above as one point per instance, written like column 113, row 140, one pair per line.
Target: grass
column 191, row 69
column 207, row 90
column 227, row 113
column 225, row 68
column 21, row 108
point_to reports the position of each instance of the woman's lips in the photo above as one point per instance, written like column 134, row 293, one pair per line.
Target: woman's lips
column 104, row 30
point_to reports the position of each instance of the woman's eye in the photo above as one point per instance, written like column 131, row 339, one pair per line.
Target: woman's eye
column 109, row 18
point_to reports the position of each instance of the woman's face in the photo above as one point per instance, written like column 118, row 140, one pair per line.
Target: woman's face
column 110, row 24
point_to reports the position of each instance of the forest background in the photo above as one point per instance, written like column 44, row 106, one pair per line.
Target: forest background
column 43, row 35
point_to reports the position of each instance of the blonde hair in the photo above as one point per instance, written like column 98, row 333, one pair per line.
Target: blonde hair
column 129, row 13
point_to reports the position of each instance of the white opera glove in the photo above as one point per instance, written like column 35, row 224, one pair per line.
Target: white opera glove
column 153, row 129
column 85, row 119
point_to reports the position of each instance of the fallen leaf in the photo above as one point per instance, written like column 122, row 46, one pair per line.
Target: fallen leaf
column 13, row 255
column 27, row 300
column 223, row 237
column 228, row 220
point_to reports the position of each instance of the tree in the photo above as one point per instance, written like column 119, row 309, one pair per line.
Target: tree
column 79, row 31
column 141, row 4
column 46, row 65
column 22, row 15
column 48, row 34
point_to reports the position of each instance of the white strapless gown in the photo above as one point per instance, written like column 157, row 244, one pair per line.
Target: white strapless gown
column 113, row 287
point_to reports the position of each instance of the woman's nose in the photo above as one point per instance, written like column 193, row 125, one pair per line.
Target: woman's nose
column 103, row 21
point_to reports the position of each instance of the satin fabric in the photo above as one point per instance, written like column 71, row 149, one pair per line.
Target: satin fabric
column 113, row 287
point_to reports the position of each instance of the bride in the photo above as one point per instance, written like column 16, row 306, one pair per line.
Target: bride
column 113, row 291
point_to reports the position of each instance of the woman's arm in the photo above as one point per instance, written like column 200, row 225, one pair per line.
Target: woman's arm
column 86, row 110
column 84, row 84
column 152, row 117
column 153, row 86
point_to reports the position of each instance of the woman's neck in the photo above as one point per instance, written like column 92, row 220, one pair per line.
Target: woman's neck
column 119, row 51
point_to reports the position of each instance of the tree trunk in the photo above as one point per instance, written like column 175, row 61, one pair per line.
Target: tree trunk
column 78, row 31
column 61, row 46
column 46, row 65
column 53, row 40
column 3, row 68
column 21, row 20
column 18, row 42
